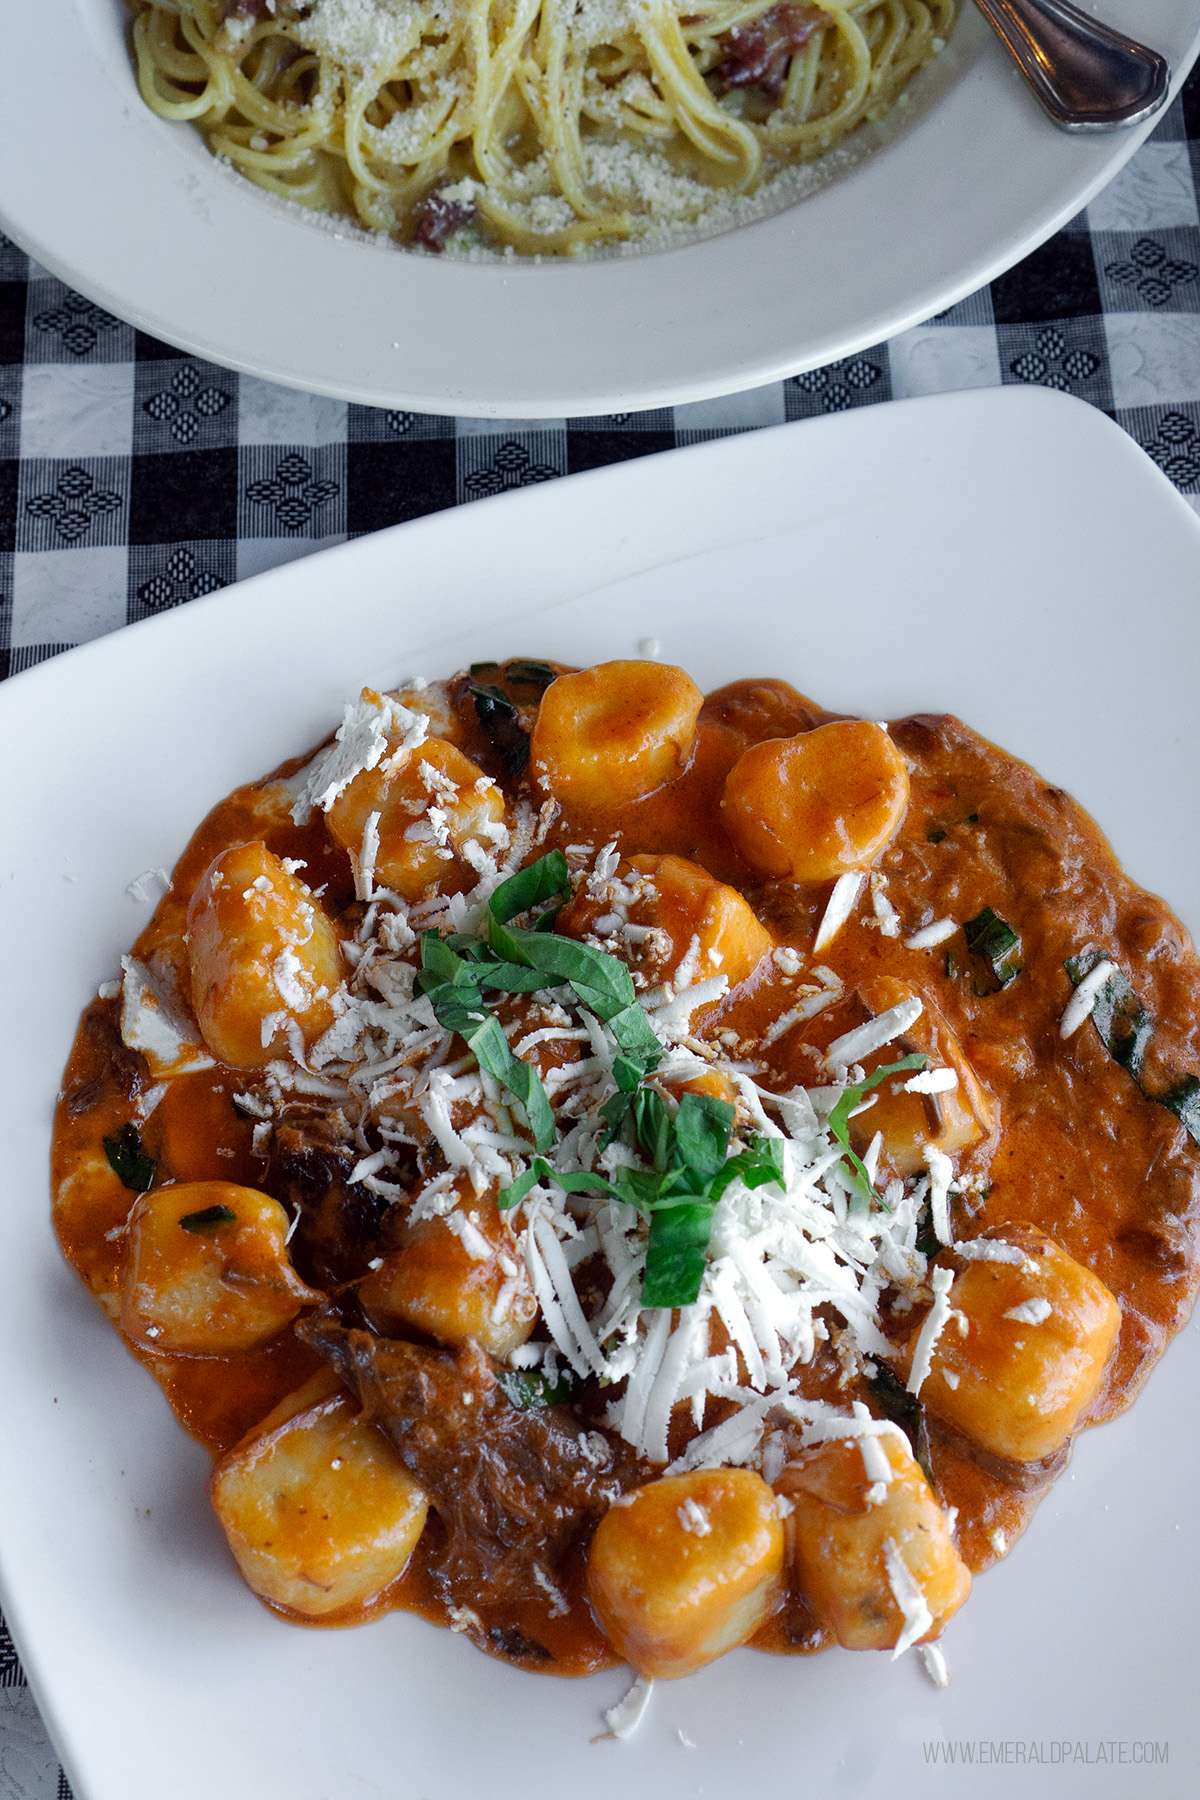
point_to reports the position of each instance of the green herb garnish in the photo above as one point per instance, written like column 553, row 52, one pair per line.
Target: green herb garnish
column 128, row 1161
column 854, row 1170
column 1124, row 1024
column 498, row 717
column 1183, row 1099
column 523, row 672
column 529, row 1388
column 992, row 938
column 689, row 1169
column 521, row 960
column 1125, row 1027
column 892, row 1400
column 210, row 1219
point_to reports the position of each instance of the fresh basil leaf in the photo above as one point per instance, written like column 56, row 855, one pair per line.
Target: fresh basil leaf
column 702, row 1128
column 489, row 1046
column 860, row 1182
column 992, row 938
column 538, row 881
column 128, row 1161
column 676, row 1253
column 760, row 1163
column 484, row 668
column 523, row 672
column 577, row 1181
column 603, row 984
column 529, row 1388
column 498, row 717
column 210, row 1219
column 652, row 1128
column 456, row 1007
column 511, row 1196
column 511, row 978
column 443, row 963
column 635, row 1034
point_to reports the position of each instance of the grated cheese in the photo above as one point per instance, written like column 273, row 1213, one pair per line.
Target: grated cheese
column 1082, row 1001
column 841, row 904
column 624, row 1718
column 864, row 1040
column 931, row 1330
column 1030, row 1312
column 908, row 1597
column 929, row 935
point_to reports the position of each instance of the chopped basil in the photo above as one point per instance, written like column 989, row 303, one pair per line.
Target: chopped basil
column 1124, row 1024
column 520, row 960
column 1125, row 1027
column 529, row 1388
column 861, row 1186
column 935, row 836
column 484, row 668
column 892, row 1400
column 210, row 1219
column 128, row 1161
column 690, row 1169
column 489, row 1046
column 498, row 717
column 992, row 938
column 524, row 673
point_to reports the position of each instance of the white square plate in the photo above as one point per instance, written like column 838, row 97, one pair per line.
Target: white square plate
column 1009, row 555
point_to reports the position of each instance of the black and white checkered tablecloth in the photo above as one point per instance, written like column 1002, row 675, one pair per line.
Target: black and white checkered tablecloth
column 134, row 478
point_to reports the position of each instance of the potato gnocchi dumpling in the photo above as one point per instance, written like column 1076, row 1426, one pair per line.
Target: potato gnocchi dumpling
column 610, row 735
column 265, row 958
column 816, row 806
column 319, row 1511
column 686, row 1568
column 1025, row 1349
column 421, row 818
column 207, row 1270
column 873, row 1550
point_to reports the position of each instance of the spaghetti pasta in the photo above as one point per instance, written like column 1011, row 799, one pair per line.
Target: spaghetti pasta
column 527, row 126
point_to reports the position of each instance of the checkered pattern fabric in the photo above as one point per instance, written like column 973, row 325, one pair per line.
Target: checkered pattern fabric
column 134, row 478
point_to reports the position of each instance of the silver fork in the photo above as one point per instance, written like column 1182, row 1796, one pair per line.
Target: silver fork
column 1086, row 75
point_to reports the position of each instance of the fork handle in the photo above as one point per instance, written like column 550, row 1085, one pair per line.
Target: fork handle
column 1087, row 76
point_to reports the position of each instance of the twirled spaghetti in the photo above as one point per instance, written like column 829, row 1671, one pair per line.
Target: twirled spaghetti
column 550, row 126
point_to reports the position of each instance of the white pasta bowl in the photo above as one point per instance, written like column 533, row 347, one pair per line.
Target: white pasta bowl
column 136, row 214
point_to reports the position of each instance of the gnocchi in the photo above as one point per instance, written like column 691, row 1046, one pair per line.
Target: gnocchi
column 686, row 1568
column 319, row 1511
column 207, row 1270
column 265, row 959
column 816, row 806
column 610, row 735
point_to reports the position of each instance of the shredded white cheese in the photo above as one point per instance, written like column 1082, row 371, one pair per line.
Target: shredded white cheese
column 864, row 1040
column 931, row 1330
column 624, row 1718
column 908, row 1597
column 1079, row 1007
column 841, row 904
column 1030, row 1312
column 930, row 935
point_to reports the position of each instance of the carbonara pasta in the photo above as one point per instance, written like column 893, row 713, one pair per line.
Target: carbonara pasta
column 536, row 126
